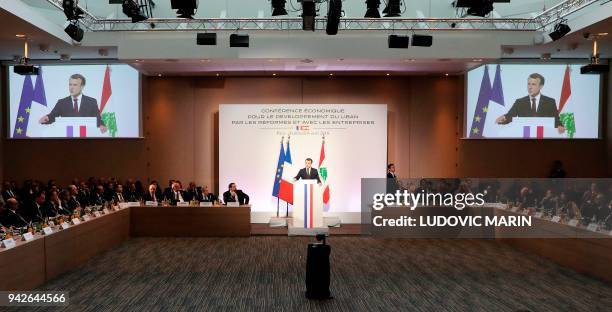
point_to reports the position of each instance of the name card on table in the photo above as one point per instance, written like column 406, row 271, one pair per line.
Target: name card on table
column 151, row 203
column 86, row 217
column 65, row 225
column 47, row 230
column 133, row 204
column 539, row 215
column 233, row 204
column 106, row 211
column 182, row 204
column 51, row 223
column 27, row 236
column 76, row 221
column 514, row 209
column 97, row 213
column 592, row 227
column 573, row 222
column 206, row 204
column 124, row 205
column 556, row 219
column 8, row 243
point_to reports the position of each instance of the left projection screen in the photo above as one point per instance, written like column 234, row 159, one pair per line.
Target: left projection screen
column 107, row 102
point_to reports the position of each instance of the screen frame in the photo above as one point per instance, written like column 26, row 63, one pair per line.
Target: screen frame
column 7, row 111
column 533, row 62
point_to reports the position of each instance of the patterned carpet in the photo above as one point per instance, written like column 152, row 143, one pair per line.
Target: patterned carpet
column 266, row 273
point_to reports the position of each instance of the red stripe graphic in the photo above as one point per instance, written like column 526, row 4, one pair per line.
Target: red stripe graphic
column 311, row 208
column 82, row 131
column 540, row 131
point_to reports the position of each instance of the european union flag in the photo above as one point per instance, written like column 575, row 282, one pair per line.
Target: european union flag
column 29, row 94
column 279, row 170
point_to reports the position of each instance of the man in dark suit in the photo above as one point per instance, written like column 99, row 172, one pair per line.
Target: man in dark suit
column 10, row 216
column 75, row 105
column 8, row 191
column 151, row 195
column 533, row 105
column 33, row 210
column 392, row 183
column 308, row 172
column 208, row 196
column 234, row 194
column 176, row 195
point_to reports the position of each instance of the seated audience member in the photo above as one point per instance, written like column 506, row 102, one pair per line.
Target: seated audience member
column 208, row 196
column 10, row 217
column 72, row 202
column 235, row 195
column 132, row 193
column 526, row 198
column 193, row 192
column 8, row 191
column 84, row 193
column 549, row 202
column 151, row 195
column 176, row 194
column 601, row 209
column 168, row 190
column 54, row 206
column 118, row 196
column 588, row 197
column 33, row 209
column 99, row 196
column 158, row 190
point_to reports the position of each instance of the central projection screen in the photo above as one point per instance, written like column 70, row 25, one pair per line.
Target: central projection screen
column 250, row 138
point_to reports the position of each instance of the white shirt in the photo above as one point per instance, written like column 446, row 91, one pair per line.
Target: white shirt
column 537, row 100
column 178, row 195
column 78, row 101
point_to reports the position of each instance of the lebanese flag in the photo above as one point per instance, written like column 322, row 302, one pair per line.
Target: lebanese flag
column 566, row 89
column 106, row 89
column 323, row 173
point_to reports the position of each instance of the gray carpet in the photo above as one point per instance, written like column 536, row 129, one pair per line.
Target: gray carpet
column 266, row 273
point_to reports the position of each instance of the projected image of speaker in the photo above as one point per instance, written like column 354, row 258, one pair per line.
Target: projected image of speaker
column 422, row 40
column 206, row 39
column 239, row 41
column 398, row 42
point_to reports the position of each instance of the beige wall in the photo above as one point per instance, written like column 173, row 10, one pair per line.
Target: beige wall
column 180, row 121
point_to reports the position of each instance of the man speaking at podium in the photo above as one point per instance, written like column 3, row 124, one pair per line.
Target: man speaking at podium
column 308, row 172
column 75, row 105
column 534, row 105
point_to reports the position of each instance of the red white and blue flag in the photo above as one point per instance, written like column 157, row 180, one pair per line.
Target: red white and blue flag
column 308, row 206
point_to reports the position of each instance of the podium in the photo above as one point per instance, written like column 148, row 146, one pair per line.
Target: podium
column 73, row 127
column 307, row 218
column 531, row 128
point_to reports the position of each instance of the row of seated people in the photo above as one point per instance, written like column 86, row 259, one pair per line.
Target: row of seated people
column 36, row 202
column 582, row 199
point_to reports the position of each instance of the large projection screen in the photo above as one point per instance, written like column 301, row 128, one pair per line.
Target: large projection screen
column 567, row 102
column 250, row 142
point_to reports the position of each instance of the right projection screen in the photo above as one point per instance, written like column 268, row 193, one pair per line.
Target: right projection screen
column 531, row 101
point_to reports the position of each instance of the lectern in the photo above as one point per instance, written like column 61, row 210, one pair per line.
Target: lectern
column 307, row 209
column 531, row 127
column 73, row 127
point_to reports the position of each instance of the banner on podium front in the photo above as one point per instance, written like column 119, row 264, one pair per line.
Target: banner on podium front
column 73, row 127
column 307, row 204
column 531, row 128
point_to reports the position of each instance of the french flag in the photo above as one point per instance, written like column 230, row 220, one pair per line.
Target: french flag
column 308, row 206
column 70, row 131
column 533, row 132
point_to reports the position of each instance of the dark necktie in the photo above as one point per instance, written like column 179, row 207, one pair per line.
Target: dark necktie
column 76, row 105
column 308, row 172
column 533, row 106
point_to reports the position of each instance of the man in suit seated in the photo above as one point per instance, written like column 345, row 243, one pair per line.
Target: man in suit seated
column 235, row 195
column 534, row 105
column 176, row 195
column 54, row 206
column 193, row 192
column 75, row 105
column 8, row 191
column 151, row 195
column 118, row 196
column 73, row 202
column 308, row 172
column 167, row 194
column 98, row 198
column 10, row 217
column 208, row 196
column 33, row 210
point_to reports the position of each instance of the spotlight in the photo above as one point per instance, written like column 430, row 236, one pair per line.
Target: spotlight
column 206, row 39
column 334, row 11
column 308, row 15
column 561, row 30
column 372, row 9
column 184, row 8
column 476, row 7
column 132, row 9
column 392, row 9
column 71, row 10
column 398, row 42
column 74, row 31
column 239, row 41
column 278, row 7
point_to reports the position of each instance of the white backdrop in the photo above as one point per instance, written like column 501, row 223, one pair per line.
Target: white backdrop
column 248, row 153
column 583, row 102
column 124, row 101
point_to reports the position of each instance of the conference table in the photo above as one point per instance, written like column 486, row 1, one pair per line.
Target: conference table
column 30, row 264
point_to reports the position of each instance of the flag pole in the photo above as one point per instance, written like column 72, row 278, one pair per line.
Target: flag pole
column 277, row 197
column 287, row 208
